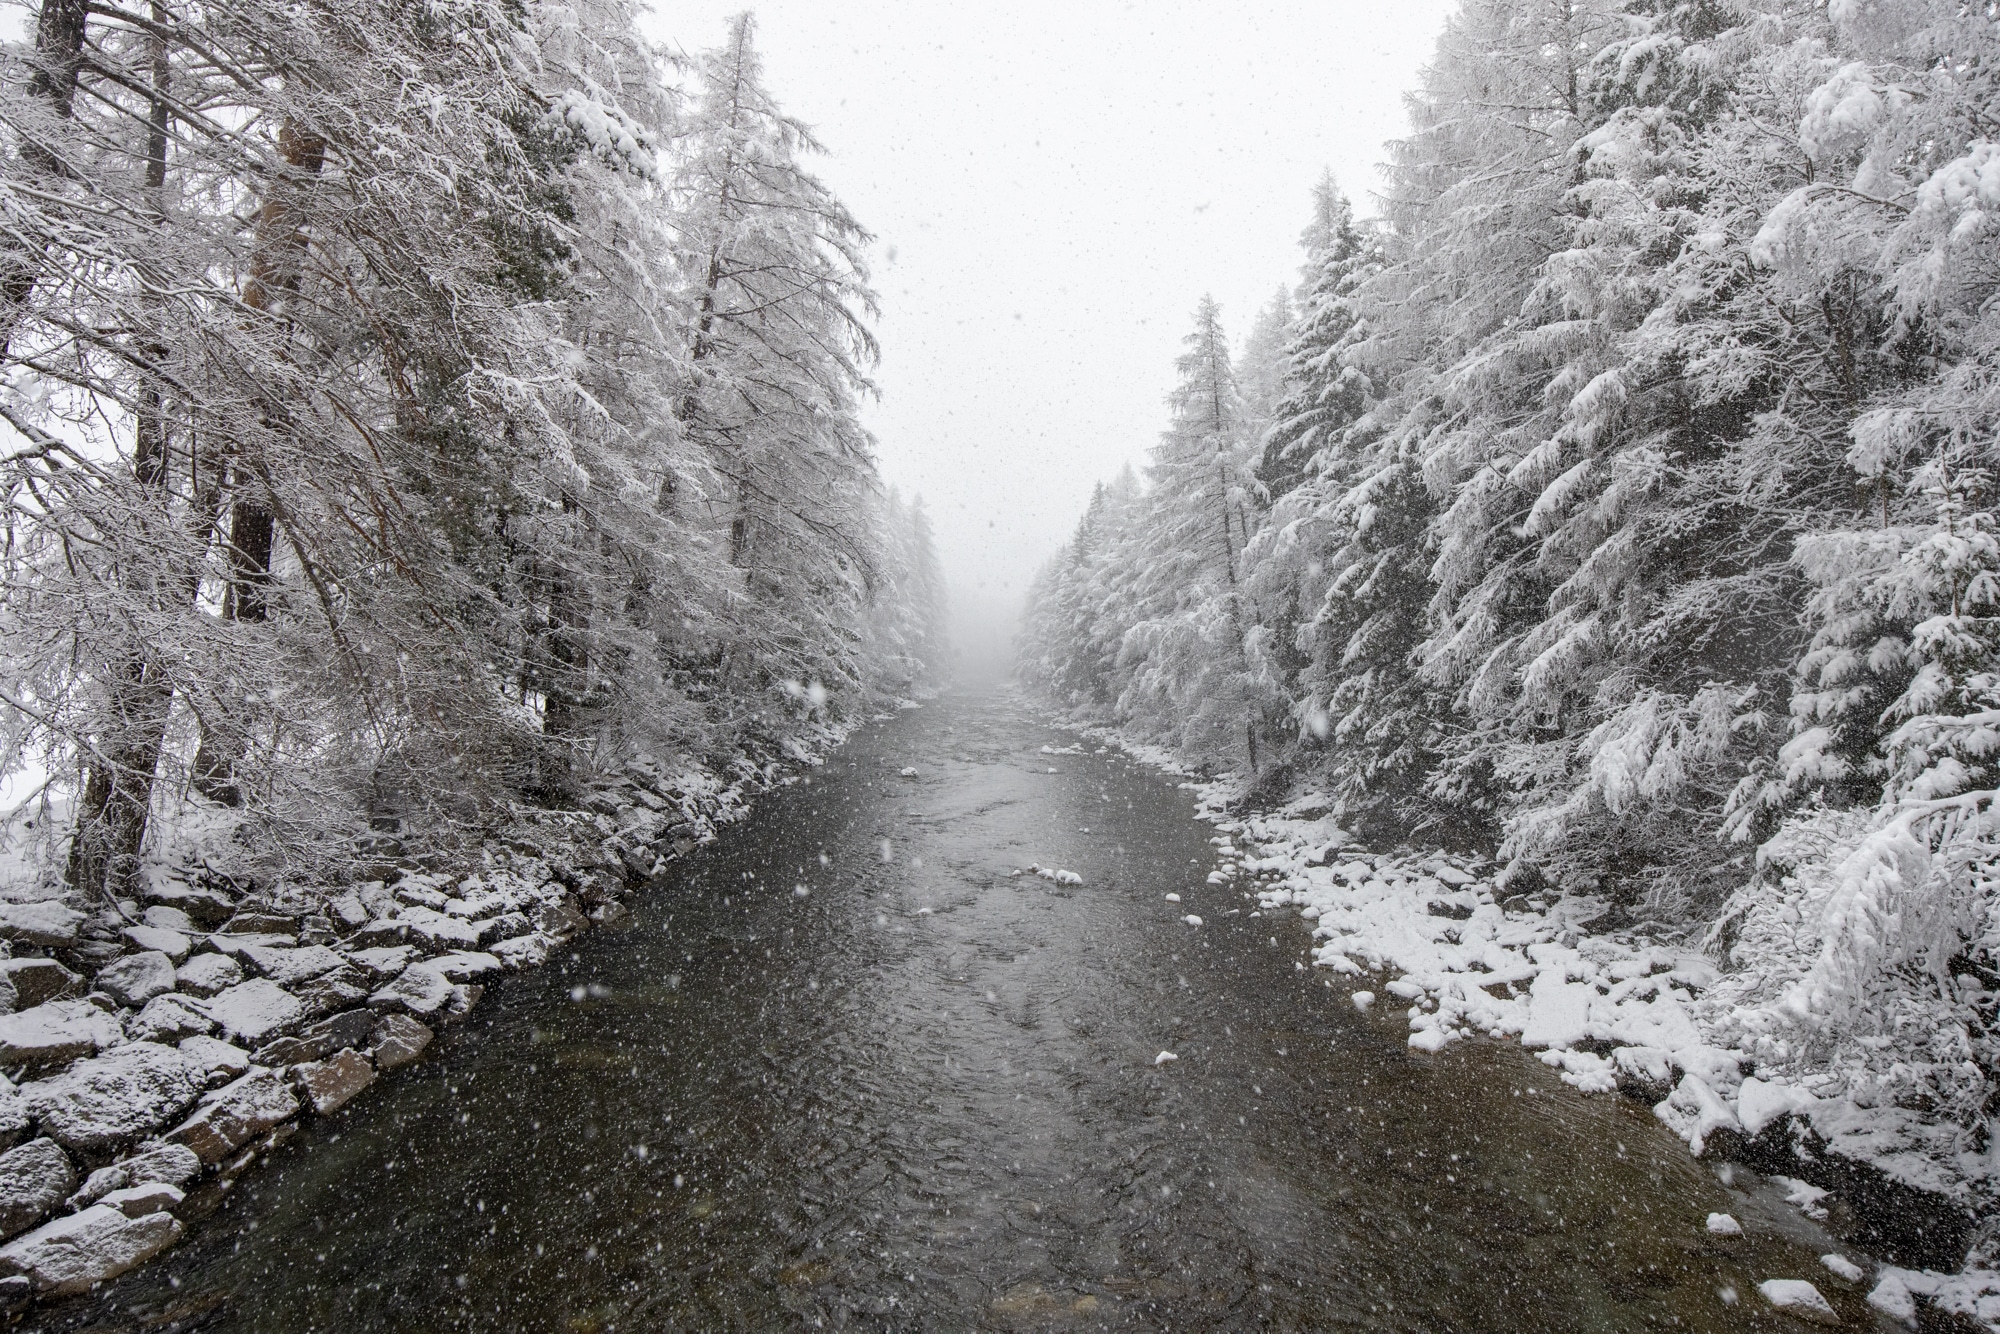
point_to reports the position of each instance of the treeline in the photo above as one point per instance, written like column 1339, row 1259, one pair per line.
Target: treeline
column 414, row 408
column 1621, row 500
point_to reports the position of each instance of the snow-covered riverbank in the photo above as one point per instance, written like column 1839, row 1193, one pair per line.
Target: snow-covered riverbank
column 1684, row 1025
column 155, row 1049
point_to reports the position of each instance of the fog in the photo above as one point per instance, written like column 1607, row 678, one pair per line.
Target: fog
column 1053, row 187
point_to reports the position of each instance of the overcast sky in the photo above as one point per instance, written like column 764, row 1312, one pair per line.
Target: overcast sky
column 1053, row 186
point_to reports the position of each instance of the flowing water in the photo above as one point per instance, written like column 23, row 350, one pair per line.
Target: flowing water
column 925, row 1094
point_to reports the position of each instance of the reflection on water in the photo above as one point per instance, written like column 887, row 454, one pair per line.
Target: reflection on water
column 923, row 1094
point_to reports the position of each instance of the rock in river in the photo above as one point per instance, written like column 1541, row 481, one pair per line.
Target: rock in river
column 328, row 1084
column 107, row 1100
column 137, row 978
column 74, row 1254
column 34, row 1178
column 55, row 1033
column 398, row 1040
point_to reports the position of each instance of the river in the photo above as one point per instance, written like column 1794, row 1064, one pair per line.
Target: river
column 847, row 1068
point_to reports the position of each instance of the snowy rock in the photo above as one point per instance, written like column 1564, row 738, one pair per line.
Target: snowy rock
column 1722, row 1225
column 419, row 990
column 1842, row 1267
column 34, row 1178
column 382, row 962
column 137, row 1201
column 1362, row 1000
column 157, row 1160
column 382, row 931
column 237, row 1113
column 440, row 931
column 1800, row 1299
column 398, row 1040
column 235, row 942
column 169, row 1018
column 348, row 912
column 1695, row 1114
column 55, row 1033
column 213, row 1057
column 174, row 944
column 1192, row 919
column 14, row 1115
column 137, row 978
column 1758, row 1104
column 1645, row 1072
column 1893, row 1298
column 250, row 924
column 560, row 920
column 289, row 967
column 206, row 974
column 163, row 918
column 76, row 1253
column 342, row 989
column 522, row 952
column 47, row 924
column 320, row 1040
column 463, row 966
column 204, row 908
column 38, row 981
column 255, row 1010
column 329, row 1084
column 107, row 1100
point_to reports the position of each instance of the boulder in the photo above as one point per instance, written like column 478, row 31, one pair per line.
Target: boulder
column 254, row 1011
column 383, row 961
column 48, row 924
column 464, row 965
column 289, row 967
column 168, row 919
column 158, row 1160
column 418, row 990
column 320, row 1040
column 381, row 931
column 169, row 1018
column 34, row 1179
column 204, row 908
column 56, row 1033
column 440, row 931
column 398, row 1040
column 530, row 951
column 216, row 1058
column 206, row 974
column 329, row 1084
column 237, row 1113
column 76, row 1253
column 108, row 1100
column 347, row 912
column 38, row 981
column 151, row 1198
column 342, row 989
column 136, row 978
column 174, row 944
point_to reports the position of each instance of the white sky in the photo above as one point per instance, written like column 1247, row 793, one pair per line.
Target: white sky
column 1053, row 186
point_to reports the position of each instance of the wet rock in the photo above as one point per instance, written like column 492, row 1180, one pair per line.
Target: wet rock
column 137, row 1201
column 111, row 1099
column 56, row 1033
column 164, row 918
column 289, row 967
column 608, row 912
column 329, row 1084
column 348, row 1029
column 48, row 924
column 217, row 1058
column 206, row 974
column 38, row 981
column 169, row 1018
column 560, row 920
column 137, row 978
column 342, row 989
column 76, row 1253
column 464, row 997
column 174, row 944
column 398, row 1040
column 418, row 990
column 235, row 1114
column 464, row 965
column 16, row 1293
column 254, row 1011
column 522, row 952
column 383, row 961
column 204, row 908
column 34, row 1178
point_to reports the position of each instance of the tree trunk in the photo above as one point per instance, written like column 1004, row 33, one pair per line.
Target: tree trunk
column 59, row 33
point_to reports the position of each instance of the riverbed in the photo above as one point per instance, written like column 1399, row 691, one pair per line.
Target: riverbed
column 854, row 1065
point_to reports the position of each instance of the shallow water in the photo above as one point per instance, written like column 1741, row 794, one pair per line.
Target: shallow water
column 923, row 1095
